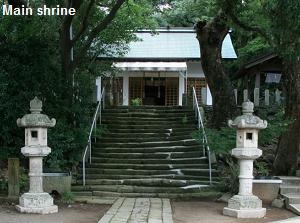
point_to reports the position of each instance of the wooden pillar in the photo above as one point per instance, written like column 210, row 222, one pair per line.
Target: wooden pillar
column 13, row 177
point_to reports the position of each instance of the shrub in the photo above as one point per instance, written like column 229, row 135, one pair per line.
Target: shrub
column 67, row 197
column 136, row 102
column 230, row 172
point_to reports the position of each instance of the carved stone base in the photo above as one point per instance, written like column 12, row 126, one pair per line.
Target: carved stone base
column 37, row 203
column 245, row 207
column 247, row 213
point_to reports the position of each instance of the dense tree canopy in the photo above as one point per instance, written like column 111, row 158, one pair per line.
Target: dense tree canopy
column 277, row 21
column 258, row 26
column 33, row 56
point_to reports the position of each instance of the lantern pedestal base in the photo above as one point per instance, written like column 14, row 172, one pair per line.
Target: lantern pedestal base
column 36, row 203
column 240, row 206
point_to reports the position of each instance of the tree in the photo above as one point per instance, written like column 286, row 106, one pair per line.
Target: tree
column 210, row 36
column 211, row 25
column 277, row 21
column 38, row 69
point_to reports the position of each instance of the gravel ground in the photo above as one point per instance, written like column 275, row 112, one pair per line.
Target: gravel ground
column 74, row 213
column 211, row 212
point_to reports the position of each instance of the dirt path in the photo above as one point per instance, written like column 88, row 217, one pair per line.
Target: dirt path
column 211, row 212
column 75, row 213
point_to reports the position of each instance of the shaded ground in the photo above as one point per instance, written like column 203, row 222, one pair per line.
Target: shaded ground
column 183, row 212
column 75, row 213
column 211, row 212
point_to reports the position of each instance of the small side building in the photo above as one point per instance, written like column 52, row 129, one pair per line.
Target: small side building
column 266, row 69
column 262, row 75
column 161, row 67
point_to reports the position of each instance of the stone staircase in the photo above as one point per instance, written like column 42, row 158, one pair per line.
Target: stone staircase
column 290, row 190
column 147, row 152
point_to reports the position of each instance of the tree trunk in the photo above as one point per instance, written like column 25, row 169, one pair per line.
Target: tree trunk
column 210, row 36
column 68, row 73
column 286, row 160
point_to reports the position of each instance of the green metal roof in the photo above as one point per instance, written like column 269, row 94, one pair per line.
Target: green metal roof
column 171, row 44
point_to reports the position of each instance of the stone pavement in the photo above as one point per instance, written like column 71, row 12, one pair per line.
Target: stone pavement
column 289, row 220
column 139, row 210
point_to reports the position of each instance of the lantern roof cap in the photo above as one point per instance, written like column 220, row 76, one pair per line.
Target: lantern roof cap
column 36, row 119
column 248, row 120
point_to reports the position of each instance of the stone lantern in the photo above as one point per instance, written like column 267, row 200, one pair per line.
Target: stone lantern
column 245, row 204
column 36, row 124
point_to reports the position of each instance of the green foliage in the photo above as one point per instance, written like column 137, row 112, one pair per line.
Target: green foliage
column 185, row 13
column 261, row 168
column 67, row 197
column 184, row 119
column 24, row 180
column 136, row 102
column 229, row 176
column 277, row 124
column 101, row 130
column 225, row 139
column 3, row 185
column 35, row 71
column 226, row 136
column 31, row 66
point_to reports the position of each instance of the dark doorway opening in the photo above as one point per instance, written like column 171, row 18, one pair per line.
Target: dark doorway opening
column 155, row 91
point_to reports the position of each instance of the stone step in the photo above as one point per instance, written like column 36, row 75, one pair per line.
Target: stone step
column 197, row 160
column 152, row 126
column 158, row 155
column 147, row 144
column 162, row 176
column 124, row 130
column 146, row 182
column 164, row 115
column 292, row 198
column 95, row 199
column 145, row 166
column 289, row 189
column 166, row 123
column 290, row 181
column 139, row 189
column 145, row 107
column 131, row 172
column 294, row 208
column 167, row 137
column 146, row 152
column 192, row 148
column 147, row 111
column 199, row 195
column 146, row 134
column 177, row 118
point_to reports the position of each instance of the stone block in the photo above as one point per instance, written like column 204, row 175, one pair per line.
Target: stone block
column 60, row 182
column 38, row 203
column 266, row 190
column 13, row 177
column 35, row 151
column 278, row 203
column 225, row 197
column 244, row 202
column 246, row 153
column 247, row 213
